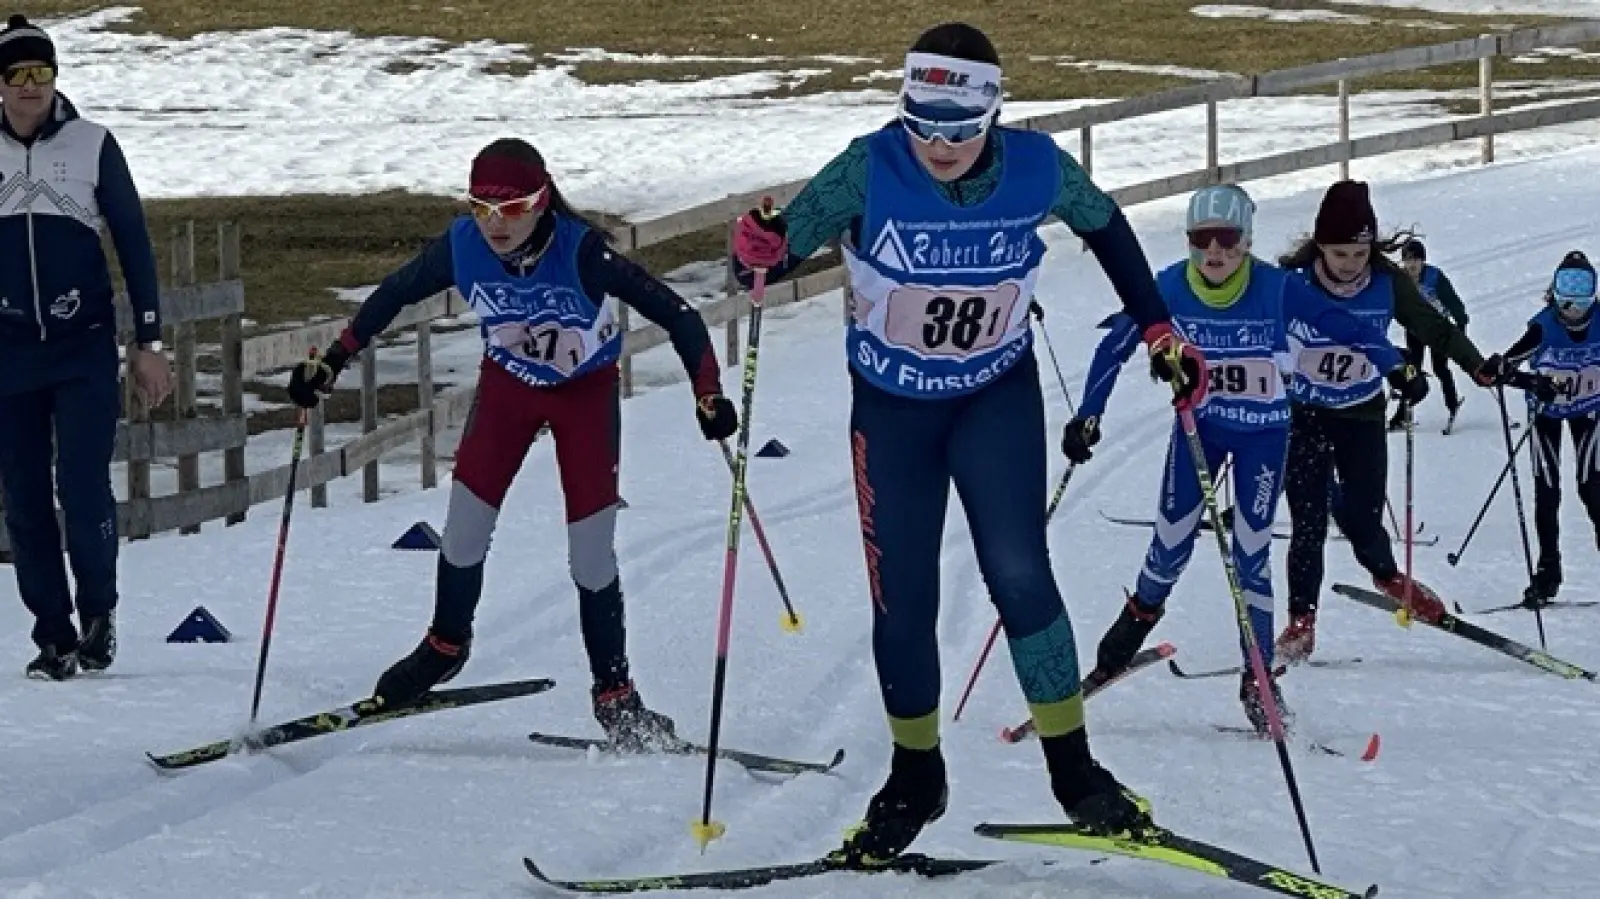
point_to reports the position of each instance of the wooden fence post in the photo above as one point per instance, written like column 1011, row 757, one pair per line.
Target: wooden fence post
column 1486, row 101
column 1212, row 142
column 317, row 444
column 228, row 269
column 369, row 418
column 626, row 365
column 138, row 470
column 184, row 358
column 1344, row 129
column 430, row 472
column 1086, row 150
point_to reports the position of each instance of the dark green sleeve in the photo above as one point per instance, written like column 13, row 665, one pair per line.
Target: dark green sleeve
column 1452, row 300
column 1080, row 204
column 1415, row 315
column 835, row 196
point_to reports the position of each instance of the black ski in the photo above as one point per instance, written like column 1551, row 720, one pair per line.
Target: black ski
column 1279, row 671
column 1483, row 637
column 752, row 761
column 1416, row 540
column 1368, row 753
column 1553, row 604
column 1164, row 846
column 358, row 714
column 744, row 878
column 1142, row 659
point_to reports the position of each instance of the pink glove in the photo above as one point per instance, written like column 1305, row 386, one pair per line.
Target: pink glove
column 759, row 239
column 1179, row 363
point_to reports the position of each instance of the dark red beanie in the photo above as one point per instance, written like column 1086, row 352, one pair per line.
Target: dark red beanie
column 1346, row 215
column 500, row 177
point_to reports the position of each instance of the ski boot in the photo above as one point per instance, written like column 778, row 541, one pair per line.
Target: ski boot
column 1546, row 583
column 1299, row 637
column 434, row 661
column 1454, row 406
column 1091, row 797
column 914, row 796
column 1419, row 599
column 99, row 645
column 1255, row 709
column 52, row 664
column 628, row 724
column 1124, row 639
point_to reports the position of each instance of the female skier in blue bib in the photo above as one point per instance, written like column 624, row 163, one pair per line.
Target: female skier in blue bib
column 1239, row 310
column 1562, row 344
column 538, row 277
column 939, row 210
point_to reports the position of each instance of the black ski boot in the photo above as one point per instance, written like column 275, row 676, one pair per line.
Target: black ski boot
column 99, row 645
column 1124, row 639
column 1088, row 793
column 434, row 661
column 914, row 796
column 628, row 724
column 51, row 664
column 1546, row 583
column 1255, row 710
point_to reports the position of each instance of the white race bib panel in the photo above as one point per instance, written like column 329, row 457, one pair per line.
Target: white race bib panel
column 1253, row 379
column 953, row 323
column 550, row 345
column 1335, row 366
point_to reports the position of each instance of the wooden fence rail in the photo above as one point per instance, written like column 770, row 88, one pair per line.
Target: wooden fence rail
column 185, row 434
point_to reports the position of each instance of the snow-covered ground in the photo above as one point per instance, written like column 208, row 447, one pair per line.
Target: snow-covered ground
column 1486, row 785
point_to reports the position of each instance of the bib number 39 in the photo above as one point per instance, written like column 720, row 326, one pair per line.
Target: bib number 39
column 947, row 323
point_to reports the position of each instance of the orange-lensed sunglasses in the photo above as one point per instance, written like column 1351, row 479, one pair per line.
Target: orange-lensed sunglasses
column 509, row 210
column 17, row 76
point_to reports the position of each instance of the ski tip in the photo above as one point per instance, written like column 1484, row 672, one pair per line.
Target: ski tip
column 1371, row 891
column 1173, row 667
column 1370, row 753
column 836, row 761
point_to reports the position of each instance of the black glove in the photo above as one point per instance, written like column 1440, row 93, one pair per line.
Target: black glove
column 716, row 415
column 316, row 375
column 1494, row 371
column 1079, row 435
column 1410, row 384
column 1543, row 387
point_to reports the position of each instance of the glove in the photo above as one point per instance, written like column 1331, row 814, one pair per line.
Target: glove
column 1079, row 435
column 1179, row 363
column 1411, row 385
column 316, row 375
column 1493, row 372
column 1543, row 387
column 716, row 416
column 760, row 239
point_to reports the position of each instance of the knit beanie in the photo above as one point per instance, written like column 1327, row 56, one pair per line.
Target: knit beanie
column 1222, row 204
column 23, row 41
column 1346, row 215
column 1414, row 250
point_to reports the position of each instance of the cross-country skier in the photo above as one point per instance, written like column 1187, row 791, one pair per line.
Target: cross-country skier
column 1439, row 293
column 1561, row 345
column 939, row 211
column 538, row 276
column 1337, row 401
column 1237, row 309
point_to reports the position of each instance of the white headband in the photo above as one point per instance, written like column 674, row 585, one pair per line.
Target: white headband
column 945, row 83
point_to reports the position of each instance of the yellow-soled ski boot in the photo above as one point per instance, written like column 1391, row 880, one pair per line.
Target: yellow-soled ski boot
column 1095, row 800
column 914, row 796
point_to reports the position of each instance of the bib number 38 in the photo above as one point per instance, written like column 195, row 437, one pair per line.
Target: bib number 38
column 949, row 323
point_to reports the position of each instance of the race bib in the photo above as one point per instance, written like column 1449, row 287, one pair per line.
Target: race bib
column 1574, row 386
column 949, row 323
column 546, row 344
column 1254, row 379
column 1335, row 366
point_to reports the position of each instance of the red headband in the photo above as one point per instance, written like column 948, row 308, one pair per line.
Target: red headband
column 504, row 178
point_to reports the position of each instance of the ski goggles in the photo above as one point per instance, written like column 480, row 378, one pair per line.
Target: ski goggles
column 18, row 76
column 1226, row 238
column 953, row 133
column 1573, row 289
column 509, row 210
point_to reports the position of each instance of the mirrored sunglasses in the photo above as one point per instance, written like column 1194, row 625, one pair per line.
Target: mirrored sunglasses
column 1226, row 238
column 17, row 76
column 953, row 133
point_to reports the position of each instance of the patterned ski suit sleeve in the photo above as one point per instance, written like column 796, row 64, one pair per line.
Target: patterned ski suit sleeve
column 1311, row 306
column 826, row 207
column 1096, row 218
column 1114, row 350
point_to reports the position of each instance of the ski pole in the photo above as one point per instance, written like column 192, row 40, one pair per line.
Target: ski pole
column 1516, row 493
column 1049, row 513
column 277, row 562
column 791, row 619
column 1455, row 557
column 1247, row 635
column 1403, row 614
column 705, row 830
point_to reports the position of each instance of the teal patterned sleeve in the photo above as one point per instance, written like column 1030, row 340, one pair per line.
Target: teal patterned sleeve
column 1079, row 203
column 824, row 209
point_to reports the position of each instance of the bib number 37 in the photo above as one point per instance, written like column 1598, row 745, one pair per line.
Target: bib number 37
column 956, row 322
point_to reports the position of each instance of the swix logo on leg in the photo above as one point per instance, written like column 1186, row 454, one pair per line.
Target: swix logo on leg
column 1266, row 486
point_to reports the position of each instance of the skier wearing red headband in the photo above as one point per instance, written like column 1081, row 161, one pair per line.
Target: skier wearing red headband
column 537, row 275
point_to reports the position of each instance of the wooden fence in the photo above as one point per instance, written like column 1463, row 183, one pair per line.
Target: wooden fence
column 183, row 434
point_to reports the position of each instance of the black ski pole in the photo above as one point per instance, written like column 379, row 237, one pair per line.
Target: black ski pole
column 1455, row 557
column 1516, row 492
